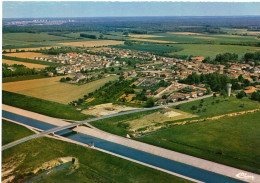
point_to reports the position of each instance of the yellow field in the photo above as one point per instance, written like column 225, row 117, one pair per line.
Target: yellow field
column 151, row 40
column 29, row 49
column 93, row 43
column 53, row 90
column 29, row 65
column 144, row 35
column 29, row 55
column 185, row 33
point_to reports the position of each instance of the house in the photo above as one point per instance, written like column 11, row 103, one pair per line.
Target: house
column 250, row 90
column 187, row 96
column 162, row 102
column 193, row 94
column 203, row 90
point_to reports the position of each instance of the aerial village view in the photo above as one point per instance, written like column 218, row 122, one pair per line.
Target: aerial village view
column 130, row 92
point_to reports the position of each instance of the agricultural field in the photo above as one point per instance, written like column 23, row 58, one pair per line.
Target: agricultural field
column 230, row 140
column 28, row 49
column 211, row 50
column 45, row 107
column 53, row 90
column 153, row 48
column 29, row 65
column 20, row 162
column 205, row 38
column 93, row 43
column 29, row 55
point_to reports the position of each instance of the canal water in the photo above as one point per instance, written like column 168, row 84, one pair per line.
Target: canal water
column 180, row 168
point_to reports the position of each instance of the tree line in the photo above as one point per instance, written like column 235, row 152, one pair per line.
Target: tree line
column 17, row 70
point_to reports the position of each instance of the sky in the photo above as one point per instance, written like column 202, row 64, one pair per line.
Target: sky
column 38, row 9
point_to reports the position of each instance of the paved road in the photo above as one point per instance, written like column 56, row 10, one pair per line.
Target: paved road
column 72, row 125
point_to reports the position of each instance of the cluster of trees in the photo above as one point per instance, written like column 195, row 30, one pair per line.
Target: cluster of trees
column 90, row 36
column 215, row 81
column 255, row 96
column 232, row 57
column 17, row 70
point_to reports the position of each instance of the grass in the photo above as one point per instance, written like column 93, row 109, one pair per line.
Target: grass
column 116, row 125
column 205, row 38
column 211, row 50
column 44, row 107
column 31, row 61
column 9, row 135
column 53, row 90
column 94, row 166
column 231, row 140
column 22, row 78
column 218, row 105
column 152, row 48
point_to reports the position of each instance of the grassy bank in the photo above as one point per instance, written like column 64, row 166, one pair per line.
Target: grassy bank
column 231, row 140
column 30, row 61
column 215, row 106
column 94, row 166
column 10, row 135
column 44, row 107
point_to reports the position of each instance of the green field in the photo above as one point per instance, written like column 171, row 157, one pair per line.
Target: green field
column 23, row 40
column 211, row 50
column 94, row 166
column 218, row 105
column 44, row 107
column 22, row 78
column 31, row 61
column 231, row 140
column 9, row 135
column 205, row 38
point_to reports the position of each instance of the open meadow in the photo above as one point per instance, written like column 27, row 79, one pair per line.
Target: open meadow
column 52, row 89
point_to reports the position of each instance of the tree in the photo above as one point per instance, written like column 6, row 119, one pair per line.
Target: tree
column 101, row 36
column 149, row 103
column 256, row 96
column 68, row 78
column 164, row 97
column 121, row 78
column 62, row 80
column 112, row 69
column 241, row 94
column 126, row 34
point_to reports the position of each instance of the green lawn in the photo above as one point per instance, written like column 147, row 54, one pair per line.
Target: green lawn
column 232, row 141
column 94, row 166
column 12, row 132
column 218, row 105
column 44, row 107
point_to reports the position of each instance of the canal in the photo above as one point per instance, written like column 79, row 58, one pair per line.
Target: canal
column 170, row 165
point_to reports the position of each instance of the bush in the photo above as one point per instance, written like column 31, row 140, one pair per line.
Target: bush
column 194, row 107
